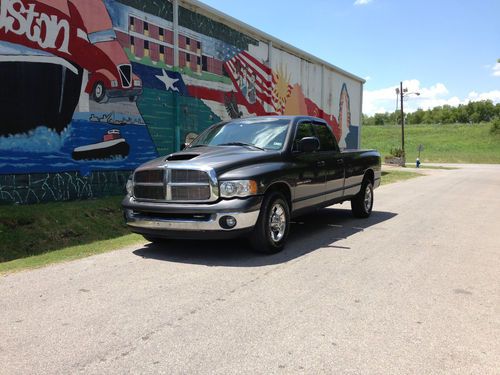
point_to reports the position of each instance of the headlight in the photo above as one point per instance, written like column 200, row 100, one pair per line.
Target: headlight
column 238, row 188
column 114, row 83
column 137, row 83
column 130, row 187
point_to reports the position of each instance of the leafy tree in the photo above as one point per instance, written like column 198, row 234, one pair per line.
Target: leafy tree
column 473, row 113
column 495, row 126
column 379, row 118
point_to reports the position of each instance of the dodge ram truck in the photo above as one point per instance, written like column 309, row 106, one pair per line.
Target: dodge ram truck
column 249, row 177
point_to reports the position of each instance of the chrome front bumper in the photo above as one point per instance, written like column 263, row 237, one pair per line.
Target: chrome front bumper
column 191, row 221
column 244, row 220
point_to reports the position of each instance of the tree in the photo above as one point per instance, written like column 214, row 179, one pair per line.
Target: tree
column 416, row 117
column 472, row 112
column 379, row 119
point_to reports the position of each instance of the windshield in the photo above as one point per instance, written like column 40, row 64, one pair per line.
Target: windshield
column 268, row 134
column 102, row 36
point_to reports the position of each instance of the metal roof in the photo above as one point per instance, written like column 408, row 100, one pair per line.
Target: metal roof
column 219, row 16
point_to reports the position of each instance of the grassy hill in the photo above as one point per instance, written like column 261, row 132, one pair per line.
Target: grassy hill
column 457, row 143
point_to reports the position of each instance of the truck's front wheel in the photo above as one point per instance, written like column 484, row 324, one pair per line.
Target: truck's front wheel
column 273, row 225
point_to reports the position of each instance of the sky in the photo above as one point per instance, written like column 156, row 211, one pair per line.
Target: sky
column 446, row 50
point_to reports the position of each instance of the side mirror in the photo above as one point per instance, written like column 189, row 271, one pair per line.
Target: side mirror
column 308, row 144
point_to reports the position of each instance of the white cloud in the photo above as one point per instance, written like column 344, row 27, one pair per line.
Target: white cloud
column 384, row 100
column 362, row 2
column 494, row 96
column 496, row 69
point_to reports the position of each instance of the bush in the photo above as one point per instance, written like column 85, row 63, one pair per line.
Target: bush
column 397, row 152
column 495, row 126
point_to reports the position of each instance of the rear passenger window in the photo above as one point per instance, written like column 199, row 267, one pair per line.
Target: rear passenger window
column 304, row 129
column 325, row 136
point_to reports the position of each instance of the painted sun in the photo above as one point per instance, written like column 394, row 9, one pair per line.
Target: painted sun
column 281, row 89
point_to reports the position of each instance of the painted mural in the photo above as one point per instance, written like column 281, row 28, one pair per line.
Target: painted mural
column 90, row 90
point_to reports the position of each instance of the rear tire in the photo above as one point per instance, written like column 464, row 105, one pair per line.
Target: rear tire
column 273, row 225
column 362, row 203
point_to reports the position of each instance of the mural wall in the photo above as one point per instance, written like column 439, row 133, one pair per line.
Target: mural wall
column 90, row 91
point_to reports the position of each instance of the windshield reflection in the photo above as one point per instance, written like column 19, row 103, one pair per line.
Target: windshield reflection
column 267, row 134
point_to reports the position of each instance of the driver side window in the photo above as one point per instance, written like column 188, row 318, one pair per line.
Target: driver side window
column 325, row 137
column 304, row 129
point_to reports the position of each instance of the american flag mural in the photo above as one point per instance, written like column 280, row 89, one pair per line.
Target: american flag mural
column 258, row 89
column 253, row 81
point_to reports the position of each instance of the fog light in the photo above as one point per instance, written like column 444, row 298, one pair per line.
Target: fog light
column 227, row 222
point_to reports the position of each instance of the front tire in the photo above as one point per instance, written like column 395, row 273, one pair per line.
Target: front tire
column 362, row 203
column 273, row 225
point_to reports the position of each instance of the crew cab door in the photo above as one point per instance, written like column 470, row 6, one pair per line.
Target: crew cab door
column 334, row 162
column 310, row 170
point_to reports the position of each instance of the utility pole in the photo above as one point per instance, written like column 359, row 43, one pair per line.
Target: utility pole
column 402, row 123
column 402, row 93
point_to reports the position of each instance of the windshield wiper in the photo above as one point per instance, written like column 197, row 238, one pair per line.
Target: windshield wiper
column 197, row 146
column 241, row 144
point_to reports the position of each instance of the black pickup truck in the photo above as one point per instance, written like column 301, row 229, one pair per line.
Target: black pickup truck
column 249, row 177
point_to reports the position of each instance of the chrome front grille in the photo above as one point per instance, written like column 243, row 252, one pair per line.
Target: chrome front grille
column 190, row 193
column 176, row 185
column 188, row 175
column 150, row 176
column 149, row 192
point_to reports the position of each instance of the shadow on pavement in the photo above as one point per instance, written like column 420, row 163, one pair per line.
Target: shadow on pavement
column 308, row 233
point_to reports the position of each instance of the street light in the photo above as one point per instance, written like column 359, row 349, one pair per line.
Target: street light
column 403, row 93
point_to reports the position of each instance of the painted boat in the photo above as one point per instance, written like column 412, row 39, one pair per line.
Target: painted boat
column 111, row 146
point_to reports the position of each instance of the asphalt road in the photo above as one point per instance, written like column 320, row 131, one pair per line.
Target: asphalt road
column 415, row 289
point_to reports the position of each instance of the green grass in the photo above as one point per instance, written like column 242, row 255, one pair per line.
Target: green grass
column 389, row 177
column 69, row 253
column 457, row 143
column 36, row 229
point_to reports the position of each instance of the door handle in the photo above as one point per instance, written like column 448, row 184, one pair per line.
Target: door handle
column 320, row 163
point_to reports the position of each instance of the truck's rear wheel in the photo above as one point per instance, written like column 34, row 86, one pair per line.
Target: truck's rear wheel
column 273, row 225
column 362, row 203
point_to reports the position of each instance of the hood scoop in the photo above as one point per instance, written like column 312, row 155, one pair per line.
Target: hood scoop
column 183, row 156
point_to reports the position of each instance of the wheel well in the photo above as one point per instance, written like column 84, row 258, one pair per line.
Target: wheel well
column 284, row 189
column 370, row 176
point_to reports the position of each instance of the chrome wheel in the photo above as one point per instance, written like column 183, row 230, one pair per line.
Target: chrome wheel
column 368, row 198
column 271, row 230
column 277, row 222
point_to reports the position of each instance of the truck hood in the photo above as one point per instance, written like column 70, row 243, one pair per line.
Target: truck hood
column 220, row 158
column 114, row 52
